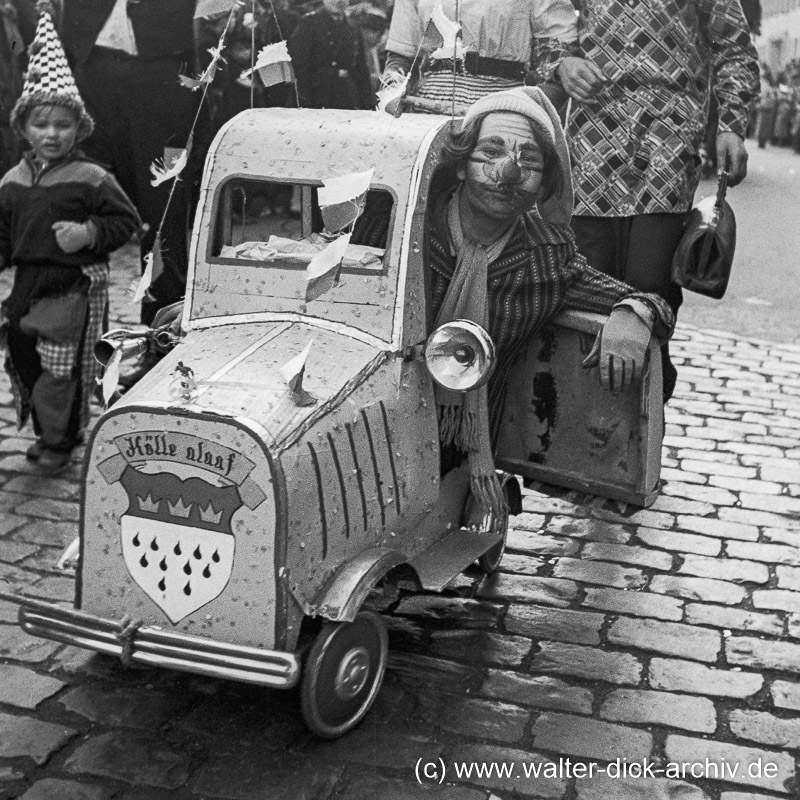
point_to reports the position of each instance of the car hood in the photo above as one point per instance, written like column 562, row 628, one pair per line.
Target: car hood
column 238, row 372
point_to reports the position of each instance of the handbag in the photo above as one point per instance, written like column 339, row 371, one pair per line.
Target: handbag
column 59, row 318
column 703, row 260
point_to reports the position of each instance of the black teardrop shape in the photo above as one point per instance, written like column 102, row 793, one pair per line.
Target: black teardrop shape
column 143, row 561
column 187, row 590
column 154, row 544
column 177, row 549
column 187, row 568
column 163, row 564
column 162, row 584
column 197, row 554
column 215, row 557
column 206, row 572
column 136, row 541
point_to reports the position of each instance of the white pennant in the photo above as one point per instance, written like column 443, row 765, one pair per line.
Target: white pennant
column 322, row 273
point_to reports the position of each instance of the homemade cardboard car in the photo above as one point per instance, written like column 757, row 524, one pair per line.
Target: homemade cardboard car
column 232, row 528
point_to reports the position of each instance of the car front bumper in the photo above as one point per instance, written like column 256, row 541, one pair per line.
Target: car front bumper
column 152, row 646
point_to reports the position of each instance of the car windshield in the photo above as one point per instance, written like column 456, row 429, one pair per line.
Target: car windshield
column 281, row 225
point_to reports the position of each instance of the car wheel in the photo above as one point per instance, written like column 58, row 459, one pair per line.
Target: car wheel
column 343, row 673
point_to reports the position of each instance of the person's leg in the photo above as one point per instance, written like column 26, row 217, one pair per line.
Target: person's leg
column 648, row 267
column 53, row 397
column 603, row 241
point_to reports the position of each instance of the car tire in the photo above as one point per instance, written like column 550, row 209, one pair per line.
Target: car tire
column 343, row 673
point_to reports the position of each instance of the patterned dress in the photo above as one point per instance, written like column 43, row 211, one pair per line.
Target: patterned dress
column 636, row 152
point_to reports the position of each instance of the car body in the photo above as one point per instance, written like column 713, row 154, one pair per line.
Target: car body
column 222, row 519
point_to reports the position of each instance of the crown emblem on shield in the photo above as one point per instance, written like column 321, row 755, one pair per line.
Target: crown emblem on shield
column 177, row 540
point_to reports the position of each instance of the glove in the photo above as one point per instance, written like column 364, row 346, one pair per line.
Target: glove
column 74, row 236
column 620, row 350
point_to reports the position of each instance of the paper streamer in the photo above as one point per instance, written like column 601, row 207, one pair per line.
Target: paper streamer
column 163, row 171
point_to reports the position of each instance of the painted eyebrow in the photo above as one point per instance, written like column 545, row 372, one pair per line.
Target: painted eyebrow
column 492, row 140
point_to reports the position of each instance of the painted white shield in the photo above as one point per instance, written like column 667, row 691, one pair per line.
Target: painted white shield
column 180, row 567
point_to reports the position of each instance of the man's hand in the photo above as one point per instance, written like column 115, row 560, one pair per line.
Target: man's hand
column 73, row 236
column 581, row 78
column 620, row 350
column 732, row 155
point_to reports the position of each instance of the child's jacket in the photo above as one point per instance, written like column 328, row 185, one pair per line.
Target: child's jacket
column 74, row 189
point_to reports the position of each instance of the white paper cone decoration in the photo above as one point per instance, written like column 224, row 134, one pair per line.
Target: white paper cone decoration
column 322, row 273
column 208, row 8
column 292, row 372
column 341, row 200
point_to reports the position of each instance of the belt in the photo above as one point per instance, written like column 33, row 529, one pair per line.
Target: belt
column 475, row 64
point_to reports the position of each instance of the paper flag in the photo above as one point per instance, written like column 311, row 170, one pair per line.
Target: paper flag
column 344, row 188
column 292, row 372
column 111, row 376
column 208, row 73
column 394, row 88
column 168, row 167
column 322, row 273
column 450, row 32
column 273, row 65
column 207, row 8
column 341, row 200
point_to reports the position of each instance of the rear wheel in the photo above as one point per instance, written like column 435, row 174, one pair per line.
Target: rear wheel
column 343, row 674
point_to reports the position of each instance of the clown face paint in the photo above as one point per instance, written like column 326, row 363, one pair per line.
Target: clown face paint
column 503, row 176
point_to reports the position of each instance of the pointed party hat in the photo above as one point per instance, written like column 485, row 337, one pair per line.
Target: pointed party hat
column 49, row 80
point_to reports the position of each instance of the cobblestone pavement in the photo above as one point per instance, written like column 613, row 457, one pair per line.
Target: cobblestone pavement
column 658, row 636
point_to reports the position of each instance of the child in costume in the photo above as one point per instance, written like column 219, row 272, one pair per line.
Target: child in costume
column 60, row 216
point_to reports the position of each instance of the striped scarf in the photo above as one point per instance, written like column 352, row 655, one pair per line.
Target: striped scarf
column 464, row 416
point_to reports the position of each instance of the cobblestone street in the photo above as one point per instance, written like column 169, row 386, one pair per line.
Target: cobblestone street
column 656, row 636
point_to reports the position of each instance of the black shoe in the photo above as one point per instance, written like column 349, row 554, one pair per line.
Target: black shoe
column 34, row 452
column 51, row 462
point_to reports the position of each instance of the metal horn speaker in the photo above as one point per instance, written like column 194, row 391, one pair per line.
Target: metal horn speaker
column 460, row 355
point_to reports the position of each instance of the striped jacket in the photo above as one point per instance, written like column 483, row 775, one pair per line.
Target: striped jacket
column 538, row 274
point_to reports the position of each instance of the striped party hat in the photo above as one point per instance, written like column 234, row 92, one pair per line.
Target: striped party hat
column 49, row 80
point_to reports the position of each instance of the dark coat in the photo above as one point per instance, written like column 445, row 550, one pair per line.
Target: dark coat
column 160, row 27
column 329, row 63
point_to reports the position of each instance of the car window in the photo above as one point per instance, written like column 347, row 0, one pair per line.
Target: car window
column 281, row 225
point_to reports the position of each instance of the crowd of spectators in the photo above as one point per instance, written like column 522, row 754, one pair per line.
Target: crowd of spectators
column 777, row 118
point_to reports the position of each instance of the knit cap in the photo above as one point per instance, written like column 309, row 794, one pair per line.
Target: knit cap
column 532, row 103
column 49, row 80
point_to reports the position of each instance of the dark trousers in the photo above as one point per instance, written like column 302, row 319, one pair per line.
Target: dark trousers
column 637, row 250
column 54, row 400
column 139, row 108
